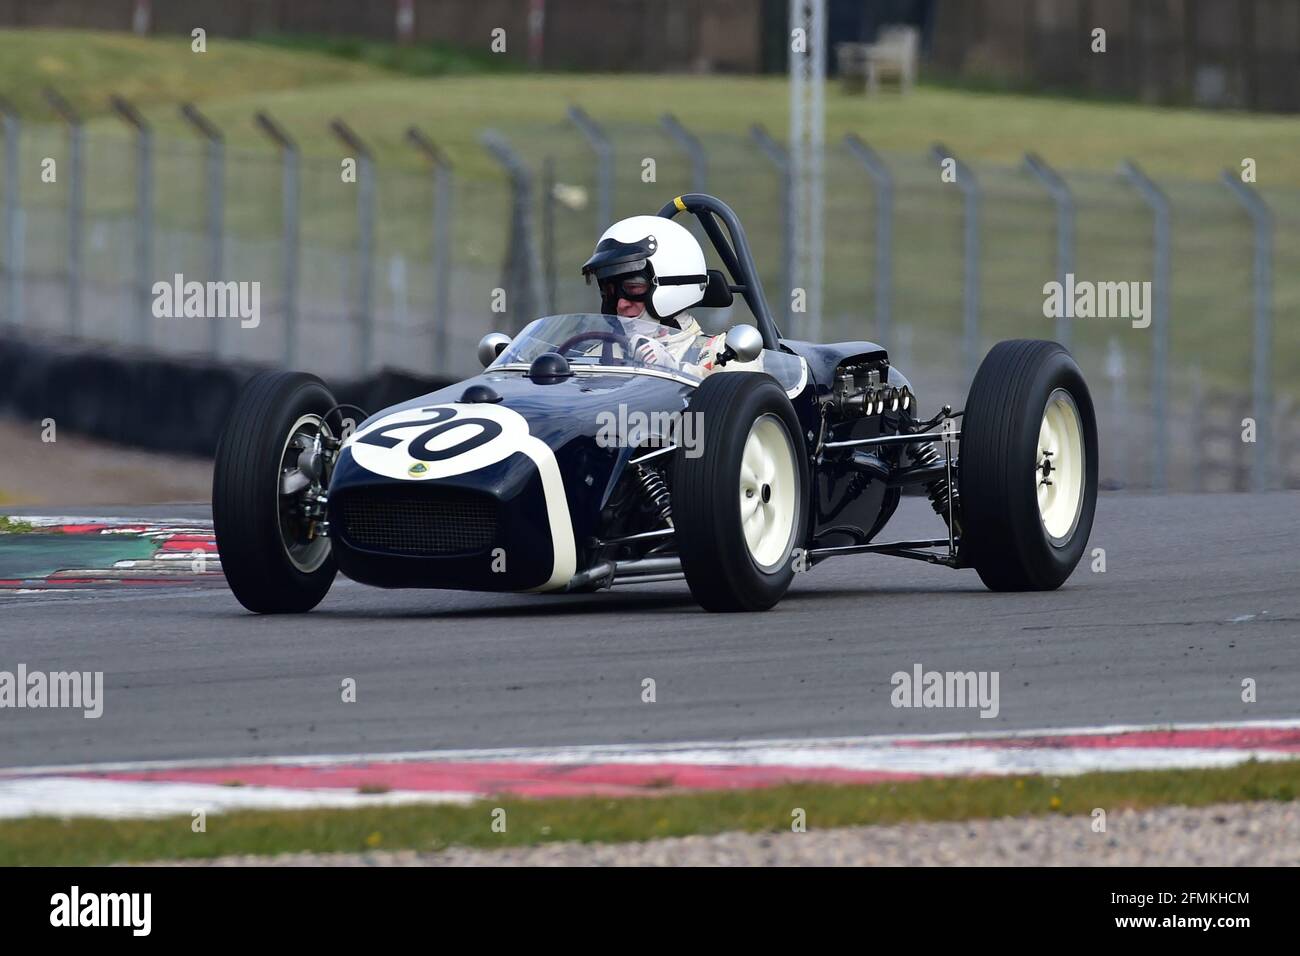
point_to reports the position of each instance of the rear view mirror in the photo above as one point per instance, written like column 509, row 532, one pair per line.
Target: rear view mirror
column 744, row 343
column 490, row 346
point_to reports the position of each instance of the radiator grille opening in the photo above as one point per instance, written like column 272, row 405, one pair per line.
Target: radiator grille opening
column 433, row 522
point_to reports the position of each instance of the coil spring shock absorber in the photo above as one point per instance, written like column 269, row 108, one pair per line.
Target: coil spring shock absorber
column 656, row 490
column 924, row 453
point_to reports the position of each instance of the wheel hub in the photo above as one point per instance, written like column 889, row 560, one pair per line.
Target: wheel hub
column 1044, row 468
column 298, row 500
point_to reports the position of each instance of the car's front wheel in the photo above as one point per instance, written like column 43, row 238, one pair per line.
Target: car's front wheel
column 1027, row 472
column 739, row 495
column 272, row 551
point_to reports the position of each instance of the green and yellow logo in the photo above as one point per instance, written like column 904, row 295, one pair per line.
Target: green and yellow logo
column 417, row 469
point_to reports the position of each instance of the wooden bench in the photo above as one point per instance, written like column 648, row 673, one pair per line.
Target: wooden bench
column 892, row 57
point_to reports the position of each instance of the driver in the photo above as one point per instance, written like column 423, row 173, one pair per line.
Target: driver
column 651, row 268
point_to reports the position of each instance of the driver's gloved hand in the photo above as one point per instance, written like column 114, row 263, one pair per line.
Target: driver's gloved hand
column 649, row 352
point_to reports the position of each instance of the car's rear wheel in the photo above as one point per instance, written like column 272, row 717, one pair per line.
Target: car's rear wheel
column 738, row 498
column 272, row 552
column 1027, row 473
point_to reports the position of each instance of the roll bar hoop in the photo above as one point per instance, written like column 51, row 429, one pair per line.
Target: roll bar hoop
column 735, row 255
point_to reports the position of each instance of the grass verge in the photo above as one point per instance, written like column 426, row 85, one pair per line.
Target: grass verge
column 415, row 59
column 50, row 842
column 87, row 66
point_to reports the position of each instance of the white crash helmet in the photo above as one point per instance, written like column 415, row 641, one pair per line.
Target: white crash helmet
column 662, row 251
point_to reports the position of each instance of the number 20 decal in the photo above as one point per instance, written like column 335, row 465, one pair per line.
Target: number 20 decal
column 438, row 441
column 443, row 421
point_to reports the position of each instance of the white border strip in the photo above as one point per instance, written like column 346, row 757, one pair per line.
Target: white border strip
column 121, row 799
column 825, row 751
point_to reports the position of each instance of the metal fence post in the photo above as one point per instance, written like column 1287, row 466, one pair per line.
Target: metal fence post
column 807, row 141
column 604, row 149
column 216, row 204
column 693, row 148
column 1063, row 198
column 76, row 204
column 970, row 323
column 1117, row 372
column 1158, row 202
column 1261, row 218
column 884, row 185
column 1197, row 443
column 289, row 230
column 364, row 315
column 442, row 173
column 142, row 334
column 521, row 266
column 548, row 232
column 12, row 127
column 780, row 159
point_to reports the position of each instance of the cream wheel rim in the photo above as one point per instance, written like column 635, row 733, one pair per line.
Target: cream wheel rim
column 1060, row 466
column 768, row 491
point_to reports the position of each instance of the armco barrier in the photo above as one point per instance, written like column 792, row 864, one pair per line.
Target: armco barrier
column 153, row 402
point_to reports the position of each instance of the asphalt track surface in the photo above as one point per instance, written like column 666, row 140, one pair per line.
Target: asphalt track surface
column 1199, row 592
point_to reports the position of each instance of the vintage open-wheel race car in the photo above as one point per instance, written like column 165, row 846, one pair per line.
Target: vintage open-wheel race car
column 570, row 465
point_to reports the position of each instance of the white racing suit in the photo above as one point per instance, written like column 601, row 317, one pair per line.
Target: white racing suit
column 669, row 349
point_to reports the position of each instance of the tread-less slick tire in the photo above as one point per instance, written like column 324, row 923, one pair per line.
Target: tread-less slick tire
column 271, row 564
column 1027, row 473
column 739, row 505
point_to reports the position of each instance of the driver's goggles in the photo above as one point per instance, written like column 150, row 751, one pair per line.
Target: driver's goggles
column 632, row 288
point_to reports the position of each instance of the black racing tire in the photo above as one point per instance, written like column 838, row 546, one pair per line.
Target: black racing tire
column 1020, row 534
column 725, row 571
column 246, row 506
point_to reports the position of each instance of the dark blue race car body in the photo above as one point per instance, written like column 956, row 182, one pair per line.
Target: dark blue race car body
column 515, row 544
column 497, row 526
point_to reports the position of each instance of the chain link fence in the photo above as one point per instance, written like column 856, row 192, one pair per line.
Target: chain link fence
column 407, row 269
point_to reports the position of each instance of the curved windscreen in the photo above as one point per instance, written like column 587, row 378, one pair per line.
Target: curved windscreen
column 608, row 342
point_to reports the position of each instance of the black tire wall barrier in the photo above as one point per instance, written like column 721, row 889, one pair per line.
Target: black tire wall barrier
column 152, row 402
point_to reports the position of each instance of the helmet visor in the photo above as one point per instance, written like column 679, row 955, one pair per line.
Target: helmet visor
column 613, row 257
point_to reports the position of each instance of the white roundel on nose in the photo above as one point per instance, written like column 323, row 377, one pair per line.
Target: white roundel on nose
column 441, row 441
column 438, row 441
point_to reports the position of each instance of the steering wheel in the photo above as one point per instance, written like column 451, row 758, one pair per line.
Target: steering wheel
column 597, row 335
